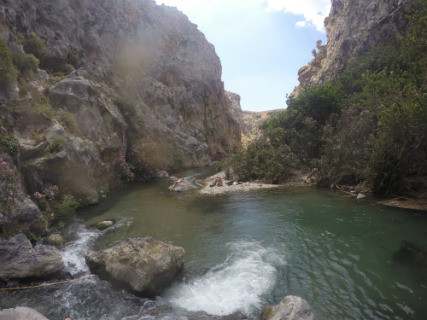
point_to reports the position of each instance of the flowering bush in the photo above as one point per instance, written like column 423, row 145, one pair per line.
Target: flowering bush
column 126, row 170
column 12, row 195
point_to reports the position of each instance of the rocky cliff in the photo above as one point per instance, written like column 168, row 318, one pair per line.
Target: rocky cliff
column 91, row 86
column 353, row 27
column 248, row 121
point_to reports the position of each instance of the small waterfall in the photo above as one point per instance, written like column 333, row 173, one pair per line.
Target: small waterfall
column 74, row 252
column 236, row 285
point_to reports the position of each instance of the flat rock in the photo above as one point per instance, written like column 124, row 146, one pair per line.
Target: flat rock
column 21, row 313
column 290, row 308
column 20, row 260
column 144, row 266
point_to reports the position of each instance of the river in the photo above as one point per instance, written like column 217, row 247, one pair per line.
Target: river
column 246, row 250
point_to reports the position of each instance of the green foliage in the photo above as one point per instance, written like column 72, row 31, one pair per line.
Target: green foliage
column 368, row 125
column 56, row 145
column 9, row 145
column 66, row 207
column 66, row 119
column 7, row 70
column 299, row 127
column 261, row 161
column 35, row 45
column 129, row 111
column 27, row 64
column 177, row 160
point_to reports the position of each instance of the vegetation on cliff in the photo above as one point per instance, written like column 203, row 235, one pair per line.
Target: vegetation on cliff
column 369, row 124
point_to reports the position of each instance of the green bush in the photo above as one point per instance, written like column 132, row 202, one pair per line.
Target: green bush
column 66, row 207
column 67, row 119
column 27, row 64
column 262, row 161
column 9, row 145
column 34, row 45
column 56, row 144
column 7, row 70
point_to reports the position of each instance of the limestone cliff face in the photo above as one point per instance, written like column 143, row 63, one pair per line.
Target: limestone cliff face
column 353, row 27
column 249, row 121
column 116, row 78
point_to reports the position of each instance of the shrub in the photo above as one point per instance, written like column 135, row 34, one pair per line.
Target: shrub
column 10, row 145
column 66, row 207
column 7, row 70
column 67, row 120
column 35, row 45
column 27, row 64
column 56, row 145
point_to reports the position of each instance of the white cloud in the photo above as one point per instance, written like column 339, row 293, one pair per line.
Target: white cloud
column 314, row 11
column 301, row 24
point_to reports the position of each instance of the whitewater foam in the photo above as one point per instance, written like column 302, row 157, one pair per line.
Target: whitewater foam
column 236, row 285
column 74, row 252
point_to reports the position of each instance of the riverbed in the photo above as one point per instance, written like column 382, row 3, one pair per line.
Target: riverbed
column 246, row 250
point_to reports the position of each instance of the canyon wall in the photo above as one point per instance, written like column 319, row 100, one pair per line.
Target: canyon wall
column 102, row 90
column 352, row 28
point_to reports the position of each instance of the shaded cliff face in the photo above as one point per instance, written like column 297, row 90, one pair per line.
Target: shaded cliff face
column 353, row 27
column 116, row 78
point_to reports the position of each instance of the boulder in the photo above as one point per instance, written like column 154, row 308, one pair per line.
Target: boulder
column 360, row 196
column 55, row 239
column 144, row 266
column 20, row 260
column 161, row 174
column 21, row 313
column 104, row 225
column 290, row 308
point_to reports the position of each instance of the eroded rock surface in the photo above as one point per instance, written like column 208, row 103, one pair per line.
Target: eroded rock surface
column 20, row 260
column 353, row 27
column 21, row 313
column 144, row 266
column 290, row 308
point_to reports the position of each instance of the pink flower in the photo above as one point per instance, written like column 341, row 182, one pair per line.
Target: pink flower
column 3, row 164
column 52, row 214
column 9, row 171
column 10, row 199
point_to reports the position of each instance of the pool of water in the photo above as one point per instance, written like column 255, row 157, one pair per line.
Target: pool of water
column 246, row 250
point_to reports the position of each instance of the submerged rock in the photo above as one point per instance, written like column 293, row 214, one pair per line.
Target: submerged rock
column 290, row 308
column 20, row 260
column 20, row 313
column 144, row 266
column 411, row 255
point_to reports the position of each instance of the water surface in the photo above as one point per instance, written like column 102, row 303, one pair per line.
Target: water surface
column 246, row 250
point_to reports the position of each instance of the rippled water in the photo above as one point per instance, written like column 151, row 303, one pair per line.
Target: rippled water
column 244, row 251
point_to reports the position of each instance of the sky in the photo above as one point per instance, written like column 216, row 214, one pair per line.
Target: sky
column 261, row 43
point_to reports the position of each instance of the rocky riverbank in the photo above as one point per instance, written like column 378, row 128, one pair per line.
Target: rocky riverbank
column 229, row 186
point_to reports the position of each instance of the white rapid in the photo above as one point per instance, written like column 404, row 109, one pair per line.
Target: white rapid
column 74, row 252
column 236, row 285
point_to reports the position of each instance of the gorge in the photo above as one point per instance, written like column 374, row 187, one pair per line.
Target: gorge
column 100, row 99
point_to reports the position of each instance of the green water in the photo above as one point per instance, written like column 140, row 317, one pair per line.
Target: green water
column 250, row 249
column 246, row 250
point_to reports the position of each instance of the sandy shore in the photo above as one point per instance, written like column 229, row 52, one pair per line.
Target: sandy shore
column 298, row 180
column 244, row 187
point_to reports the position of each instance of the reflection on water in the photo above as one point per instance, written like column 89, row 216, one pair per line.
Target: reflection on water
column 244, row 251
